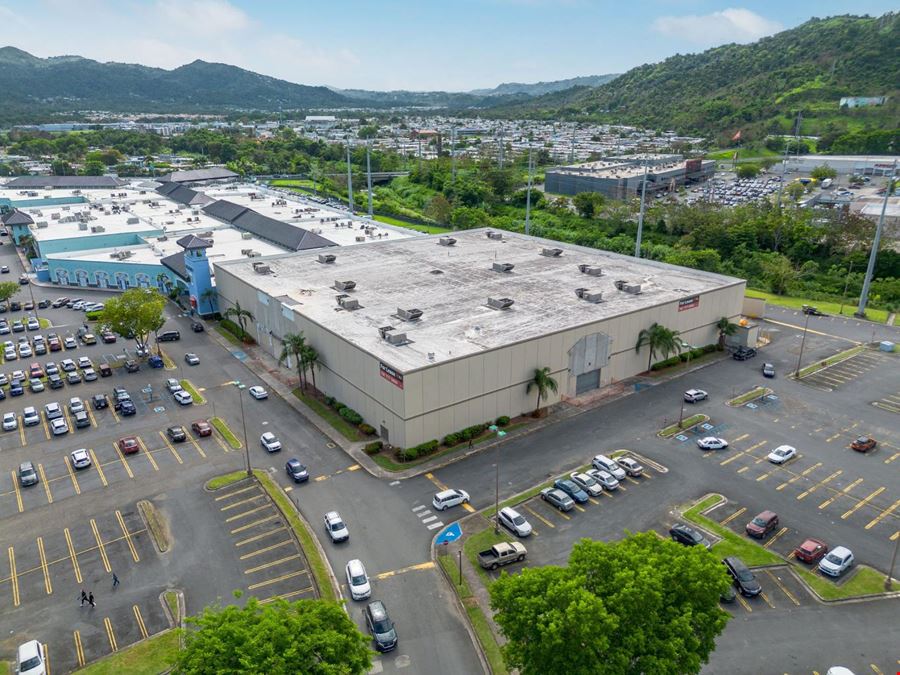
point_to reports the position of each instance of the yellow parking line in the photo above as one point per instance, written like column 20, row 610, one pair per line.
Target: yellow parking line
column 875, row 669
column 13, row 577
column 72, row 475
column 221, row 443
column 79, row 650
column 99, row 468
column 238, row 516
column 91, row 415
column 171, row 447
column 22, row 431
column 113, row 645
column 784, row 590
column 197, row 446
column 884, row 514
column 46, row 658
column 862, row 502
column 895, row 535
column 269, row 582
column 743, row 469
column 892, row 458
column 729, row 460
column 437, row 483
column 67, row 418
column 842, row 492
column 233, row 505
column 253, row 524
column 15, row 482
column 739, row 438
column 580, row 508
column 286, row 542
column 539, row 517
column 115, row 415
column 127, row 534
column 286, row 596
column 799, row 475
column 733, row 516
column 45, row 483
column 412, row 568
column 73, row 555
column 744, row 603
column 775, row 537
column 257, row 537
column 147, row 453
column 46, row 428
column 766, row 598
column 272, row 563
column 764, row 476
column 630, row 480
column 48, row 586
column 236, row 492
column 140, row 621
column 815, row 487
column 100, row 546
column 124, row 462
column 594, row 501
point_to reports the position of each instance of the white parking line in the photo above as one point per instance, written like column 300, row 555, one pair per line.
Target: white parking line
column 436, row 525
column 429, row 519
column 418, row 508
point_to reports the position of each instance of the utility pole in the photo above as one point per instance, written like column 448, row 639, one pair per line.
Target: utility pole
column 349, row 180
column 572, row 146
column 453, row 152
column 369, row 171
column 864, row 296
column 528, row 193
column 637, row 243
column 802, row 344
column 501, row 150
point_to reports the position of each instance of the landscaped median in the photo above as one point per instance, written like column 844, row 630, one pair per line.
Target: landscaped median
column 192, row 390
column 830, row 361
column 227, row 434
column 864, row 581
column 686, row 423
column 154, row 655
column 746, row 397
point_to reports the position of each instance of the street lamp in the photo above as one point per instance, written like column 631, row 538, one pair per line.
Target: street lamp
column 684, row 345
column 802, row 344
column 241, row 387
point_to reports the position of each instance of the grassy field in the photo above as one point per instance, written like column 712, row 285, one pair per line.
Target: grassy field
column 227, row 433
column 686, row 423
column 347, row 430
column 751, row 395
column 225, row 480
column 427, row 229
column 149, row 657
column 831, row 360
column 233, row 339
column 829, row 307
column 189, row 388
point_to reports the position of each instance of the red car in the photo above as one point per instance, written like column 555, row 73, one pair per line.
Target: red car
column 53, row 343
column 202, row 428
column 762, row 525
column 864, row 444
column 811, row 551
column 35, row 370
column 129, row 445
column 108, row 337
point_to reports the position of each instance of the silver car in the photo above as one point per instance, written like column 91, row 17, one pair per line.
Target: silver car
column 605, row 478
column 514, row 521
column 335, row 527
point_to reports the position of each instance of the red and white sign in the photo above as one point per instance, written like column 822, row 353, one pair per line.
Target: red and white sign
column 390, row 374
column 688, row 303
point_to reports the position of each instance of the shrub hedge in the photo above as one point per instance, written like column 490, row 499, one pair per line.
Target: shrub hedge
column 367, row 429
column 373, row 447
column 502, row 421
column 683, row 357
column 350, row 415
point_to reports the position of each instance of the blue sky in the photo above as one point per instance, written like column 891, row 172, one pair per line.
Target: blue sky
column 402, row 44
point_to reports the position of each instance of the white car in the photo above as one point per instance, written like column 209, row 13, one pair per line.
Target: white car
column 80, row 458
column 173, row 385
column 59, row 426
column 68, row 365
column 712, row 443
column 604, row 463
column 85, row 362
column 604, row 478
column 30, row 659
column 335, row 527
column 587, row 483
column 358, row 580
column 781, row 454
column 258, row 393
column 10, row 354
column 25, row 350
column 30, row 416
column 836, row 561
column 32, row 324
column 447, row 498
column 270, row 442
column 10, row 421
column 694, row 395
column 76, row 405
column 632, row 468
column 514, row 521
column 183, row 397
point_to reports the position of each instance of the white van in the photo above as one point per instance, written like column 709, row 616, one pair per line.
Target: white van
column 604, row 463
column 447, row 498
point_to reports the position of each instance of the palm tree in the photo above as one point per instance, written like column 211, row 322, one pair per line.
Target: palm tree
column 26, row 241
column 293, row 344
column 312, row 361
column 660, row 340
column 544, row 384
column 208, row 296
column 241, row 315
column 725, row 328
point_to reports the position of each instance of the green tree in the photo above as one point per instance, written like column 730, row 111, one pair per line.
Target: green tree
column 778, row 273
column 93, row 169
column 60, row 167
column 311, row 360
column 747, row 170
column 306, row 636
column 639, row 605
column 822, row 172
column 725, row 328
column 137, row 312
column 795, row 190
column 292, row 345
column 241, row 314
column 28, row 244
column 8, row 289
column 588, row 204
column 544, row 384
column 438, row 209
column 660, row 340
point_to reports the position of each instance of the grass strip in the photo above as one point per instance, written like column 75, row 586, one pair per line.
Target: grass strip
column 831, row 360
column 687, row 423
column 189, row 388
column 225, row 480
column 338, row 423
column 752, row 395
column 168, row 363
column 152, row 656
column 426, row 229
column 228, row 336
column 481, row 541
column 172, row 604
column 865, row 581
column 227, row 434
column 316, row 563
column 159, row 530
column 827, row 306
column 44, row 323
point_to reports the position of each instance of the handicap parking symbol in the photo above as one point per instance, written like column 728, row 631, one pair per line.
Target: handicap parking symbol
column 706, row 426
column 681, row 437
column 751, row 405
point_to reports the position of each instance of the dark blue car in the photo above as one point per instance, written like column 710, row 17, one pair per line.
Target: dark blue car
column 571, row 489
column 15, row 388
column 155, row 361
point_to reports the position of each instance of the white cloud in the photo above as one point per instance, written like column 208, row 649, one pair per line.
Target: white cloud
column 728, row 25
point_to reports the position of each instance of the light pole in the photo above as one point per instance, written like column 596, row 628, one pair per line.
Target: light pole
column 684, row 345
column 888, row 583
column 864, row 296
column 802, row 343
column 241, row 387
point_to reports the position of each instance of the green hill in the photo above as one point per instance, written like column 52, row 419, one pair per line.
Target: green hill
column 755, row 87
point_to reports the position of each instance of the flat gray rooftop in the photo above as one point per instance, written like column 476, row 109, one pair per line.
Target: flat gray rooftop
column 452, row 284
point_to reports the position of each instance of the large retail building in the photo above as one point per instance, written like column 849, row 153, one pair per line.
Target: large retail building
column 429, row 335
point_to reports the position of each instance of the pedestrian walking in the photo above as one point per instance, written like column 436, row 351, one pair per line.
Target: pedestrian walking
column 470, row 443
column 91, row 599
column 83, row 597
column 115, row 580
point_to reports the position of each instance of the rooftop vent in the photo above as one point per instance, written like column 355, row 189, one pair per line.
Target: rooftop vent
column 500, row 303
column 346, row 302
column 587, row 296
column 396, row 339
column 503, row 267
column 327, row 258
column 246, row 235
column 494, row 235
column 551, row 252
column 41, row 224
column 592, row 270
column 261, row 268
column 345, row 285
column 133, row 220
column 409, row 314
column 626, row 287
column 82, row 226
column 446, row 241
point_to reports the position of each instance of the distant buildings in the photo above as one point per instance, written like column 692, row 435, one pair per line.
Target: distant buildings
column 860, row 165
column 862, row 101
column 623, row 177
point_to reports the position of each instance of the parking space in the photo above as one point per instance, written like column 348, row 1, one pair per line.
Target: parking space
column 840, row 374
column 889, row 402
column 264, row 548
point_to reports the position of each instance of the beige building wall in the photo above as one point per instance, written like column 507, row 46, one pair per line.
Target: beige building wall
column 448, row 396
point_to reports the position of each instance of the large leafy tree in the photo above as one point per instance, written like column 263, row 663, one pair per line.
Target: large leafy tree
column 660, row 340
column 543, row 383
column 137, row 312
column 307, row 636
column 642, row 605
column 8, row 289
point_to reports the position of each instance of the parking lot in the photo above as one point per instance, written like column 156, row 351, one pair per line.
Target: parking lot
column 836, row 376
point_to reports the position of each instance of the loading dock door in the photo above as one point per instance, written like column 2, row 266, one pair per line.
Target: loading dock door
column 586, row 358
column 587, row 381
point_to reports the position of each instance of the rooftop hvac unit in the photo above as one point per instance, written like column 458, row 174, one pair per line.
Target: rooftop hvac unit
column 347, row 302
column 446, row 241
column 494, row 235
column 54, row 216
column 344, row 285
column 500, row 303
column 360, row 237
column 503, row 267
column 246, row 251
column 41, row 224
column 246, row 235
column 133, row 220
column 261, row 268
column 83, row 226
column 626, row 287
column 592, row 270
column 97, row 228
column 327, row 258
column 588, row 296
column 409, row 314
column 397, row 338
column 254, row 254
column 551, row 252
